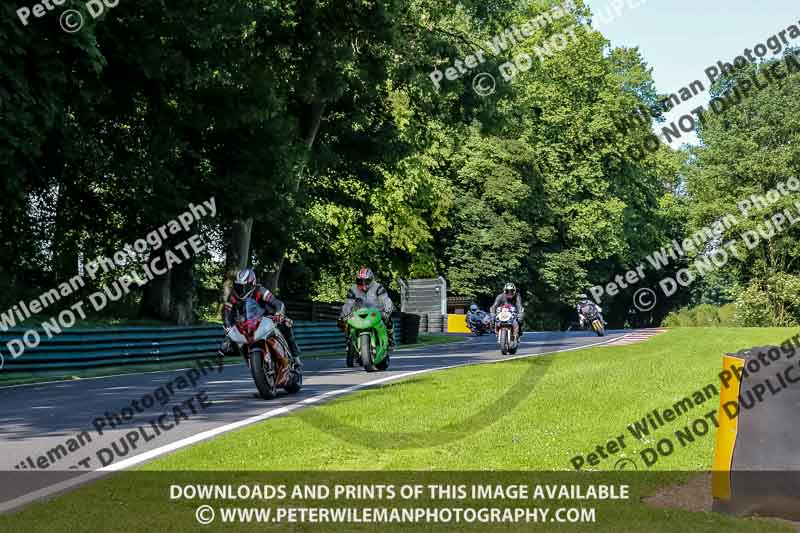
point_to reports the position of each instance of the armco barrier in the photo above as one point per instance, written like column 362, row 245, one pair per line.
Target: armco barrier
column 82, row 348
column 756, row 468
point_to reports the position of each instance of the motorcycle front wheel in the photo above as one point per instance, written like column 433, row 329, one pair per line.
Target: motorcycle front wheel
column 513, row 351
column 504, row 340
column 263, row 374
column 366, row 353
column 599, row 328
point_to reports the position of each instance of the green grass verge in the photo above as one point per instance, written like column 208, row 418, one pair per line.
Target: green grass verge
column 466, row 420
column 578, row 400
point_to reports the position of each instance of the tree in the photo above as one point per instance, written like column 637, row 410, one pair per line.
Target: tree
column 748, row 149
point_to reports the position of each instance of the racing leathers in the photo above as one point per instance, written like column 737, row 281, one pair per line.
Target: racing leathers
column 261, row 302
column 374, row 295
column 516, row 301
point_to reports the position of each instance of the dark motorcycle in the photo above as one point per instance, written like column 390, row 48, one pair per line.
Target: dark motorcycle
column 592, row 317
column 479, row 323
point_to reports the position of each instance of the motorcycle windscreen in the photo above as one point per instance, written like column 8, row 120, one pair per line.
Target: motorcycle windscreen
column 505, row 315
column 265, row 329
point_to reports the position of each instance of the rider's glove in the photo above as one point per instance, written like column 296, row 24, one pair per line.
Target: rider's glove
column 226, row 347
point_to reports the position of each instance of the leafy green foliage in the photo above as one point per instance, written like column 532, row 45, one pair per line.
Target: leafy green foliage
column 748, row 150
column 703, row 316
column 318, row 122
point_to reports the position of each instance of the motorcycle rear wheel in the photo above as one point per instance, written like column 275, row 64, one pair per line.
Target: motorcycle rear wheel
column 297, row 382
column 383, row 365
column 263, row 375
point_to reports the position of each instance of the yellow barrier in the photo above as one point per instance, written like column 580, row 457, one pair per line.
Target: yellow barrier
column 457, row 324
column 726, row 435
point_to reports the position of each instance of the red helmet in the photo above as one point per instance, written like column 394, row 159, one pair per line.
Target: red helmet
column 364, row 277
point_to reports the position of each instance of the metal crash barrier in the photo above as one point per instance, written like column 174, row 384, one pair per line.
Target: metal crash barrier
column 90, row 348
column 757, row 456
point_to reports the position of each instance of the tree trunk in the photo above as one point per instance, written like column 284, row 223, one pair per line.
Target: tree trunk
column 65, row 246
column 310, row 126
column 182, row 292
column 156, row 296
column 237, row 254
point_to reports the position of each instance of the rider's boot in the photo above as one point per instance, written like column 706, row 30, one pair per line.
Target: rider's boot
column 226, row 349
column 390, row 333
column 292, row 342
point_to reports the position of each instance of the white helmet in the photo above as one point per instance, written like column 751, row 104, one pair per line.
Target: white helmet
column 245, row 283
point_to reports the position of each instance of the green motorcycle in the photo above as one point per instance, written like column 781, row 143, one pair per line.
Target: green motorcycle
column 367, row 339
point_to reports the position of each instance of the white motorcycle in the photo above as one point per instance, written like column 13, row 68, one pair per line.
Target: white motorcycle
column 507, row 329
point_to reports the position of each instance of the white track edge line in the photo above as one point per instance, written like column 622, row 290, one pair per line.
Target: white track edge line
column 205, row 435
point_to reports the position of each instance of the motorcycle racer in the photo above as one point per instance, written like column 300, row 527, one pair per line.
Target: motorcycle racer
column 510, row 296
column 371, row 293
column 248, row 299
column 583, row 300
column 476, row 318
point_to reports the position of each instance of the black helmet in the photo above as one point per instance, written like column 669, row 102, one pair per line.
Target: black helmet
column 364, row 277
column 245, row 283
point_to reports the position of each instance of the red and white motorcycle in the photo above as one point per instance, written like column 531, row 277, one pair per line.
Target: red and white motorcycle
column 507, row 329
column 267, row 353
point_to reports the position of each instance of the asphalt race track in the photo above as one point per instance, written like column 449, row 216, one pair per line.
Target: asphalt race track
column 38, row 422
